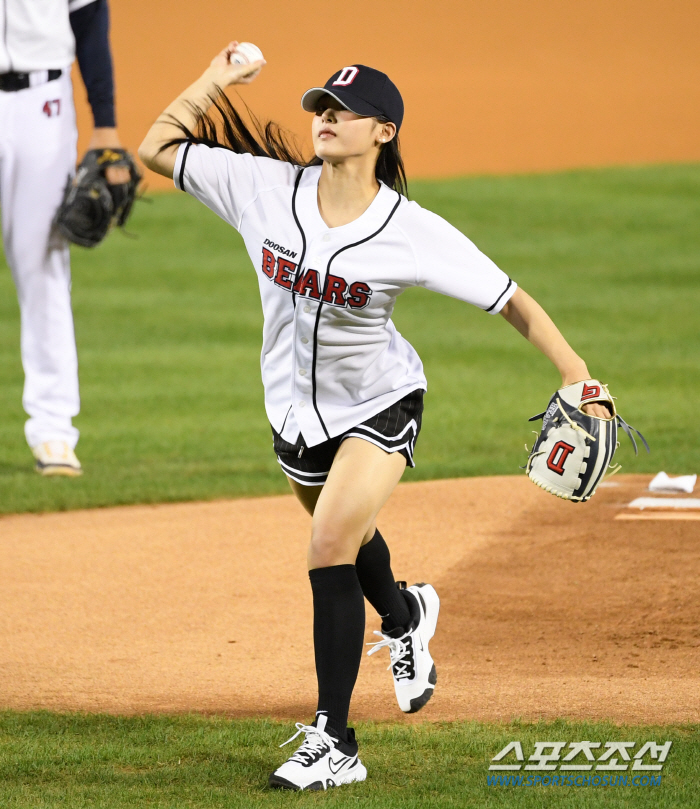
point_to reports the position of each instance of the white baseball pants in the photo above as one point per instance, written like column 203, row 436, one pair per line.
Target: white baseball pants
column 38, row 137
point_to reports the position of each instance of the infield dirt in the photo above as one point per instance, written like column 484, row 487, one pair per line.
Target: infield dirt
column 549, row 609
column 505, row 86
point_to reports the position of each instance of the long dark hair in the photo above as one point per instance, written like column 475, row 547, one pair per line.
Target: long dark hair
column 227, row 129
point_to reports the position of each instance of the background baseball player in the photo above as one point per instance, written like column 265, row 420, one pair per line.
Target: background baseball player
column 38, row 138
column 334, row 243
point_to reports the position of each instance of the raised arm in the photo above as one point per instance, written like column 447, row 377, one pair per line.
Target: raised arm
column 219, row 75
column 530, row 319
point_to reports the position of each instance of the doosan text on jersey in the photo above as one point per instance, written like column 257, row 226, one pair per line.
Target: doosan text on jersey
column 331, row 355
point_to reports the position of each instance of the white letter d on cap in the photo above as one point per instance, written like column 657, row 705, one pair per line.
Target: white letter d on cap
column 347, row 76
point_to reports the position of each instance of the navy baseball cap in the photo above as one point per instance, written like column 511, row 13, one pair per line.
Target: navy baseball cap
column 362, row 90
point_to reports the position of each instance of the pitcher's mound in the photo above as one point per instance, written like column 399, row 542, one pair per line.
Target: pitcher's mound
column 549, row 609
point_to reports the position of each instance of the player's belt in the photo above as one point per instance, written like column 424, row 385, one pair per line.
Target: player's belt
column 13, row 81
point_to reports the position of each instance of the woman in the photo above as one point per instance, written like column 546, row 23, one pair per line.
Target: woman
column 334, row 242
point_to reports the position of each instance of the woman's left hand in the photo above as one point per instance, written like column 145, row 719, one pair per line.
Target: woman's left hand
column 595, row 409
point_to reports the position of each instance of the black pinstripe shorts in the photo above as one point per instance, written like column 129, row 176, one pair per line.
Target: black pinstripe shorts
column 394, row 430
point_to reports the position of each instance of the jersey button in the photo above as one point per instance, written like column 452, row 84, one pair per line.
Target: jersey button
column 307, row 309
column 326, row 237
column 304, row 340
column 302, row 372
column 302, row 404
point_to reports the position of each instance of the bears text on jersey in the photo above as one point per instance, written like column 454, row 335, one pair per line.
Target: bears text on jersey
column 336, row 291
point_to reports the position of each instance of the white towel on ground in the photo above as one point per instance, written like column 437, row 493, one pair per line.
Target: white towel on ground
column 663, row 483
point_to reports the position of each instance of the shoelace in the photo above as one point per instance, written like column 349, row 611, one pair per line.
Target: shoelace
column 399, row 650
column 315, row 743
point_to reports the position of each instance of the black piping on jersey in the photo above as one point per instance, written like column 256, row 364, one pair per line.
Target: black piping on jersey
column 320, row 306
column 286, row 417
column 182, row 166
column 495, row 303
column 300, row 265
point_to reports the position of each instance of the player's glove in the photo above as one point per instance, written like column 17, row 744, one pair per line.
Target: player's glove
column 91, row 206
column 574, row 450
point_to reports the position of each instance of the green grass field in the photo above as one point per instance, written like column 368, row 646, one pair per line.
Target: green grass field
column 168, row 329
column 105, row 762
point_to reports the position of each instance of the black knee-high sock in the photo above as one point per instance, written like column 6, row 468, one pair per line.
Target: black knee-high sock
column 339, row 629
column 377, row 581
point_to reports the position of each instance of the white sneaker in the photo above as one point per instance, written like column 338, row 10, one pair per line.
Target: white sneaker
column 321, row 762
column 411, row 664
column 56, row 458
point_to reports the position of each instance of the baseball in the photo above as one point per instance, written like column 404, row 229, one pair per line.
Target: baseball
column 246, row 53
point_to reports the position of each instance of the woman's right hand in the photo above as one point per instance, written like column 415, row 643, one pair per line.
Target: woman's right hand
column 220, row 74
column 224, row 73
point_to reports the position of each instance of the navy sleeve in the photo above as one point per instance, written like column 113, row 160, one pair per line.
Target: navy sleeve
column 90, row 24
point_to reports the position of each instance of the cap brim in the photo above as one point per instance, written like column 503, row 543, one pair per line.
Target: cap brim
column 349, row 101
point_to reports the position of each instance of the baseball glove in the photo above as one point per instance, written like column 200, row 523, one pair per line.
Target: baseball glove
column 573, row 450
column 91, row 206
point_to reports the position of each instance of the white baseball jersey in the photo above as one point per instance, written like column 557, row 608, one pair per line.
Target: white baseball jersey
column 36, row 34
column 331, row 355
